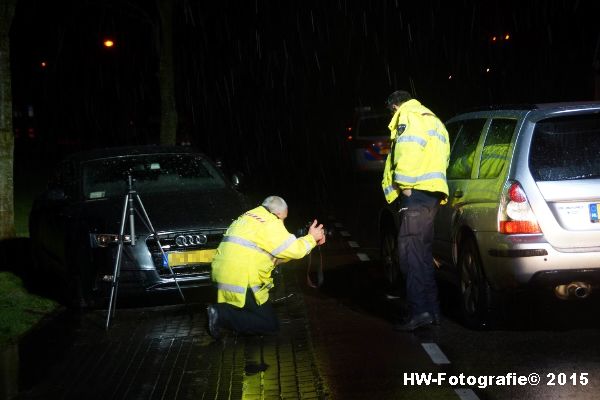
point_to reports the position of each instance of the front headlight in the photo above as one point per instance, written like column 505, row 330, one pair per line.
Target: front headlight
column 107, row 239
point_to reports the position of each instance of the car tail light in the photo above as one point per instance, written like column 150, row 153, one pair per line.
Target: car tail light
column 515, row 214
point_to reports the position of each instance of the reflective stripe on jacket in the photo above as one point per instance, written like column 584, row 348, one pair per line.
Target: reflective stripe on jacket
column 421, row 152
column 246, row 256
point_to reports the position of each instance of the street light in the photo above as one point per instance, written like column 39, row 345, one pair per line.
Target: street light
column 108, row 43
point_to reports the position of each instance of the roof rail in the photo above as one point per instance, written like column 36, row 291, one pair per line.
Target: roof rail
column 494, row 107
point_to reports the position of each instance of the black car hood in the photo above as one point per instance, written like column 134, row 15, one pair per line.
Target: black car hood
column 167, row 211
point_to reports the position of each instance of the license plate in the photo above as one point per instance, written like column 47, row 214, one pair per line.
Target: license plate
column 594, row 212
column 191, row 257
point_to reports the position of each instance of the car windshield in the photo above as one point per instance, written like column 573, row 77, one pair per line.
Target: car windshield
column 373, row 126
column 156, row 173
column 566, row 148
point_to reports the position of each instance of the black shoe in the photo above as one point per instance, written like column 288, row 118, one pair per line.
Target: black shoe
column 213, row 322
column 417, row 321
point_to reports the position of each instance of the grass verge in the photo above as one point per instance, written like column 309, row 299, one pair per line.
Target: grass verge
column 19, row 309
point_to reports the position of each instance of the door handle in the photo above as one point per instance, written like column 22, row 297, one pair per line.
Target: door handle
column 458, row 194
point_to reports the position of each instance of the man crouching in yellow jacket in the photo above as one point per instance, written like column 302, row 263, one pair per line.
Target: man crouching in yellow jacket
column 241, row 270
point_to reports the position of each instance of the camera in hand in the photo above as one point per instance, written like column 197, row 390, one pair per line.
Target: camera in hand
column 304, row 230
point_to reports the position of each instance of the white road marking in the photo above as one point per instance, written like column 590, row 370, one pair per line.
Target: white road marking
column 435, row 353
column 362, row 257
column 352, row 244
column 345, row 233
column 466, row 394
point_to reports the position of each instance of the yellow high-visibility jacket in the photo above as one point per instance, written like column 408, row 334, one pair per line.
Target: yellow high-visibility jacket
column 250, row 249
column 421, row 150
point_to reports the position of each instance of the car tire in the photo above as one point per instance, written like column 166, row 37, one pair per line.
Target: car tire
column 78, row 292
column 475, row 293
column 73, row 298
column 38, row 271
column 44, row 281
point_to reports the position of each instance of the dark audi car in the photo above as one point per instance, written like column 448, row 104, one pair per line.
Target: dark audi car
column 74, row 225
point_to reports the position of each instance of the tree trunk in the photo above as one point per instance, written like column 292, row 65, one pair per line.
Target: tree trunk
column 7, row 140
column 168, row 110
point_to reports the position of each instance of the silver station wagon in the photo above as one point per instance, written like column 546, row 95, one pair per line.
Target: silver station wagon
column 523, row 206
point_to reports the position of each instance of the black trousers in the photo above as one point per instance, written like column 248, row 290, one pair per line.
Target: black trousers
column 415, row 240
column 252, row 319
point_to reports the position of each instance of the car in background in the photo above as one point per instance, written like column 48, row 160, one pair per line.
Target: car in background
column 75, row 224
column 24, row 125
column 523, row 206
column 368, row 139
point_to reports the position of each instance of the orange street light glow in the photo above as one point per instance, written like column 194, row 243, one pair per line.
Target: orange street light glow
column 108, row 43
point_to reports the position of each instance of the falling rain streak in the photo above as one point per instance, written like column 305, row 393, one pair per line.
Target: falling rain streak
column 258, row 45
column 266, row 101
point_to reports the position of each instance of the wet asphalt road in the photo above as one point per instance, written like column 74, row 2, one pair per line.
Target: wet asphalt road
column 356, row 352
column 361, row 356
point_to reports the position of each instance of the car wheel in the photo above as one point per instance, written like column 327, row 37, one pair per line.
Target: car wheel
column 389, row 257
column 78, row 290
column 37, row 263
column 474, row 288
column 73, row 294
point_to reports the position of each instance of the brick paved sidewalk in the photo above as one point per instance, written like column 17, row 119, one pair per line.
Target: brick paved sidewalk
column 166, row 353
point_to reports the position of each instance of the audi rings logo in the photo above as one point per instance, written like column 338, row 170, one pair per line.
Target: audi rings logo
column 190, row 240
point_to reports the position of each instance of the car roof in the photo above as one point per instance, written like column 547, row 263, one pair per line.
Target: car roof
column 522, row 109
column 111, row 152
column 538, row 106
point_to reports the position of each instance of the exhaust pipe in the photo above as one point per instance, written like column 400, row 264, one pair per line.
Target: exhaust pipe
column 582, row 291
column 578, row 290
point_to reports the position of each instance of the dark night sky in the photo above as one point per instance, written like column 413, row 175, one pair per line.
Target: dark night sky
column 259, row 80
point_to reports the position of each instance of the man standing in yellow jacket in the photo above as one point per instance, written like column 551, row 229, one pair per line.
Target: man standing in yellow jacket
column 415, row 174
column 252, row 247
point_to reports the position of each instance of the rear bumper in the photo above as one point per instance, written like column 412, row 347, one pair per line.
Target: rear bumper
column 551, row 279
column 513, row 261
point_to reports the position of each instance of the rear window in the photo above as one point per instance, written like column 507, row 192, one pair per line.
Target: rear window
column 566, row 148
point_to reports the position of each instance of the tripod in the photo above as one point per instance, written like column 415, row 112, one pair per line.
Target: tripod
column 129, row 211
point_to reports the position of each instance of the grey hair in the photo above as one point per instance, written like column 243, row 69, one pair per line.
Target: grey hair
column 275, row 204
